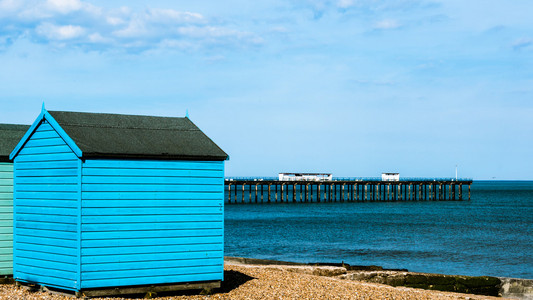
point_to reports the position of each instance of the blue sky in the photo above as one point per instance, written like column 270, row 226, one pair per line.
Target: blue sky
column 352, row 87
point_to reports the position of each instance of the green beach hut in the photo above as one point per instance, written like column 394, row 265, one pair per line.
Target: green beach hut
column 10, row 135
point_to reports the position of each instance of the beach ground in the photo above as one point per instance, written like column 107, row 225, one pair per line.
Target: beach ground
column 244, row 281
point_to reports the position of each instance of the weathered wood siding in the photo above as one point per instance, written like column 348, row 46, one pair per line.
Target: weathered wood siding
column 151, row 222
column 46, row 245
column 6, row 218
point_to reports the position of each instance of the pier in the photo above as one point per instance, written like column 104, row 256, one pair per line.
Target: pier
column 270, row 190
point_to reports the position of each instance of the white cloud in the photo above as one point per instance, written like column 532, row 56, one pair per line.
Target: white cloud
column 522, row 43
column 345, row 3
column 115, row 21
column 98, row 39
column 387, row 24
column 64, row 6
column 54, row 32
column 135, row 28
column 10, row 5
column 76, row 22
column 172, row 16
column 207, row 31
column 215, row 34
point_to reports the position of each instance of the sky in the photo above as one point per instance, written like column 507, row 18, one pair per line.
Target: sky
column 350, row 87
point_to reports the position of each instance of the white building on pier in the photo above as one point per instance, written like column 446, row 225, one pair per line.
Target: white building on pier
column 390, row 176
column 305, row 177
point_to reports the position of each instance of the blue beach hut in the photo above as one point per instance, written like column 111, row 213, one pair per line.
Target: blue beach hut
column 108, row 200
column 10, row 135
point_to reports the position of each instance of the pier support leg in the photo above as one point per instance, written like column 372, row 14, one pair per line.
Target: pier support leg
column 453, row 191
column 256, row 186
column 242, row 198
column 469, row 192
column 319, row 195
column 229, row 193
column 269, row 192
column 294, row 193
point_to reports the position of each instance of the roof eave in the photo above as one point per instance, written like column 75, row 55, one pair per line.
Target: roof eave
column 154, row 157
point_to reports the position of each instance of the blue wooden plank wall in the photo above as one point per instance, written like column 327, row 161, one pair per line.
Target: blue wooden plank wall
column 46, row 246
column 6, row 218
column 151, row 222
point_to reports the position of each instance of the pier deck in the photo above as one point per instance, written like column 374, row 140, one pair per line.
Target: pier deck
column 260, row 190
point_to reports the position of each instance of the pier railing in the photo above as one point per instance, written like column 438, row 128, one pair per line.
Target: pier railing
column 403, row 179
column 353, row 189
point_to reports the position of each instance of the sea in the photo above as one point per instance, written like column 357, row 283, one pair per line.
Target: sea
column 490, row 235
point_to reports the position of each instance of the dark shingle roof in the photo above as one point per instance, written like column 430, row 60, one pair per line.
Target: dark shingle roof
column 10, row 136
column 131, row 136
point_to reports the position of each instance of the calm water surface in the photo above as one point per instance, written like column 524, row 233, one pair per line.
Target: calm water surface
column 490, row 235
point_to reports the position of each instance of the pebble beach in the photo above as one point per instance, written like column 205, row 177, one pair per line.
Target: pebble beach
column 272, row 282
